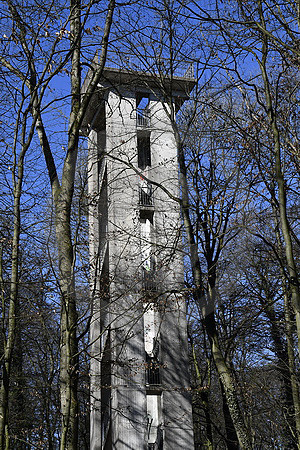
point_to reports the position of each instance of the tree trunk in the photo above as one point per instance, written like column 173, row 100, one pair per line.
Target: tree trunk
column 204, row 398
column 10, row 335
column 284, row 222
column 68, row 326
column 228, row 384
column 9, row 339
column 232, row 440
column 68, row 338
column 286, row 372
column 282, row 199
column 207, row 307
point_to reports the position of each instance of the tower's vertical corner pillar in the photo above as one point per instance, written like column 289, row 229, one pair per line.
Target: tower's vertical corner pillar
column 128, row 397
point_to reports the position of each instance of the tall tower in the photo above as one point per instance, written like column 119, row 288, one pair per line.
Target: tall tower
column 140, row 395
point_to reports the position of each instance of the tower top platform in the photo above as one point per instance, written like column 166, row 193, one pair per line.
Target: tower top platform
column 152, row 73
column 154, row 77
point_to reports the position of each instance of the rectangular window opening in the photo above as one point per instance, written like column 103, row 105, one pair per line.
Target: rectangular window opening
column 146, row 214
column 144, row 151
column 154, row 421
column 142, row 110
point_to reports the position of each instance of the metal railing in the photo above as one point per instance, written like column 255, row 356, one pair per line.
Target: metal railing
column 153, row 371
column 146, row 195
column 149, row 282
column 151, row 65
column 143, row 118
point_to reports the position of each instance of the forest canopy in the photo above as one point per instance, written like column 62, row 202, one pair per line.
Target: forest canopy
column 237, row 140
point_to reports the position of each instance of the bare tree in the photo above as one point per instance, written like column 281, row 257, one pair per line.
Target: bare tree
column 49, row 46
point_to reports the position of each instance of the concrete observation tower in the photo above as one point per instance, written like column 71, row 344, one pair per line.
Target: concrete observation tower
column 140, row 396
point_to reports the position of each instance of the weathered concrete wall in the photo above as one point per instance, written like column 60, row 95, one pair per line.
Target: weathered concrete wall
column 127, row 240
